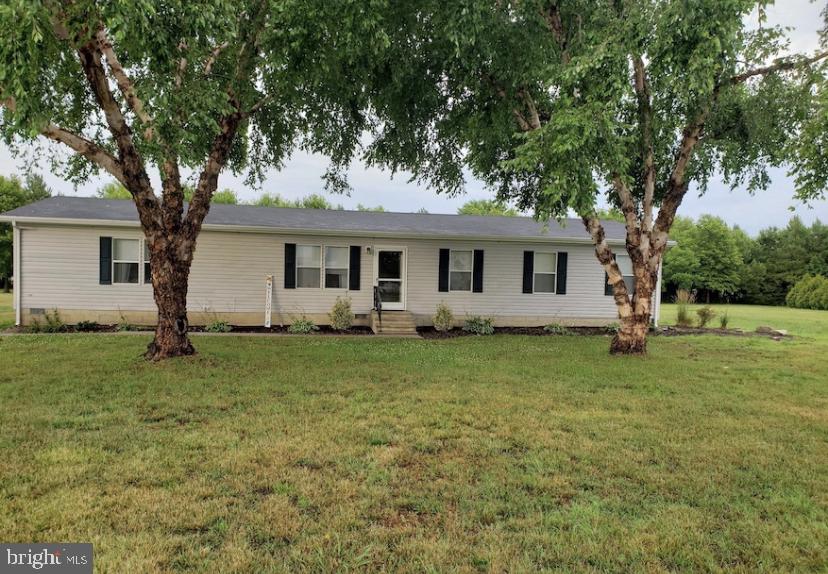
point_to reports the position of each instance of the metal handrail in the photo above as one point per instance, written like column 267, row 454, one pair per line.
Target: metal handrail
column 378, row 303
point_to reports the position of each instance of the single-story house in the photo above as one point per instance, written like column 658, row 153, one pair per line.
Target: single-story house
column 87, row 258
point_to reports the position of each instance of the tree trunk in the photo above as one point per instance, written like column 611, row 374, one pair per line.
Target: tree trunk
column 631, row 338
column 169, row 287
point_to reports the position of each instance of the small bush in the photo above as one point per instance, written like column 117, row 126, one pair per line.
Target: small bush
column 54, row 324
column 556, row 329
column 302, row 326
column 218, row 327
column 34, row 326
column 613, row 328
column 479, row 325
column 705, row 315
column 724, row 320
column 443, row 318
column 126, row 326
column 683, row 300
column 85, row 326
column 342, row 317
column 810, row 292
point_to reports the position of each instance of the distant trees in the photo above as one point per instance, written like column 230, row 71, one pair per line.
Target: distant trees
column 724, row 262
column 486, row 207
column 15, row 193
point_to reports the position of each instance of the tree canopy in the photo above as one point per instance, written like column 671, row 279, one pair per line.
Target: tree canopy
column 485, row 207
column 15, row 193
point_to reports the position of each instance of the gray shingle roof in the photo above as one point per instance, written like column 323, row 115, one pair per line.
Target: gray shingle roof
column 326, row 221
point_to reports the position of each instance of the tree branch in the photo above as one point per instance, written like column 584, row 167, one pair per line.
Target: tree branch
column 779, row 66
column 211, row 60
column 645, row 115
column 553, row 20
column 88, row 149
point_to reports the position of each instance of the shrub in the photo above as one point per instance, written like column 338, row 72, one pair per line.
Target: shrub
column 613, row 328
column 683, row 300
column 54, row 324
column 87, row 326
column 126, row 326
column 479, row 325
column 444, row 318
column 810, row 292
column 34, row 326
column 302, row 326
column 556, row 329
column 724, row 320
column 218, row 327
column 705, row 314
column 342, row 317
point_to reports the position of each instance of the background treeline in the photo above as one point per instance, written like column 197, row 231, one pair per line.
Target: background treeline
column 723, row 263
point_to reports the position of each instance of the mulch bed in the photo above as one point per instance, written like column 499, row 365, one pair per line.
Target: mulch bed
column 432, row 333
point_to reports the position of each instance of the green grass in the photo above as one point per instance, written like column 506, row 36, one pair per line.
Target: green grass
column 6, row 311
column 504, row 453
column 801, row 322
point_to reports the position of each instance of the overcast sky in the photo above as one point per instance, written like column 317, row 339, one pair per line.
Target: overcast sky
column 302, row 172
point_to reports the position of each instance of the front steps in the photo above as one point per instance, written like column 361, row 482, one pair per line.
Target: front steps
column 397, row 323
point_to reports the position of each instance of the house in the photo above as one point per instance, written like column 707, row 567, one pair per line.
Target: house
column 87, row 258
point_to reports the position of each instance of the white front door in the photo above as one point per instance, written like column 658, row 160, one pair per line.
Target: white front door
column 389, row 276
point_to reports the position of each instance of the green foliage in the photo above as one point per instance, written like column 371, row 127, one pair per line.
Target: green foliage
column 810, row 292
column 53, row 322
column 378, row 208
column 479, row 325
column 724, row 320
column 313, row 201
column 556, row 329
column 683, row 300
column 218, row 327
column 113, row 190
column 342, row 317
column 226, row 196
column 705, row 315
column 86, row 326
column 613, row 328
column 444, row 318
column 15, row 193
column 302, row 326
column 486, row 207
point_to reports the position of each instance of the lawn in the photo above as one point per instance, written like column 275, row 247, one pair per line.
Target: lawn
column 6, row 310
column 504, row 453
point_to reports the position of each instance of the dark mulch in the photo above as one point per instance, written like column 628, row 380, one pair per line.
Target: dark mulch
column 323, row 329
column 432, row 333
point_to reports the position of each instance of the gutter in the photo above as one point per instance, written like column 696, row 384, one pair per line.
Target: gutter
column 301, row 231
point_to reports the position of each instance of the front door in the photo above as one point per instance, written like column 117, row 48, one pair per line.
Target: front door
column 389, row 276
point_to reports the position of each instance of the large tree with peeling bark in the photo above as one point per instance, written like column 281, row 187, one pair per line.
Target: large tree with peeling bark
column 556, row 103
column 182, row 87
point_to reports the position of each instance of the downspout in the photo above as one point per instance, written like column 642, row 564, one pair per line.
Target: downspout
column 17, row 273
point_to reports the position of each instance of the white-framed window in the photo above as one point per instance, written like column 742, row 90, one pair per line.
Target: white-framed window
column 125, row 260
column 336, row 267
column 460, row 270
column 545, row 269
column 147, row 269
column 308, row 266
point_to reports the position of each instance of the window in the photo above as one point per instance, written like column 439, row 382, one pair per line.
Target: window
column 125, row 260
column 460, row 270
column 147, row 270
column 336, row 267
column 308, row 265
column 546, row 266
column 625, row 265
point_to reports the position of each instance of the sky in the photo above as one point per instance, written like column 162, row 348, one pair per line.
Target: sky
column 302, row 173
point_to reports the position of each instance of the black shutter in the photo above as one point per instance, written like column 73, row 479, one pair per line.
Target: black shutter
column 560, row 277
column 607, row 287
column 290, row 266
column 105, row 273
column 477, row 271
column 528, row 271
column 443, row 280
column 355, row 267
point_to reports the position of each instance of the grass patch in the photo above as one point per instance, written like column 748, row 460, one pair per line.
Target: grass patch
column 801, row 322
column 503, row 453
column 6, row 310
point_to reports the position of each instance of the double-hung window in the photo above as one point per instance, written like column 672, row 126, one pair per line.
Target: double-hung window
column 125, row 260
column 308, row 266
column 545, row 269
column 336, row 267
column 147, row 269
column 460, row 270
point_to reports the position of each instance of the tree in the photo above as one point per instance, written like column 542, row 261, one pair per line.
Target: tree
column 555, row 104
column 203, row 85
column 14, row 194
column 113, row 190
column 378, row 209
column 485, row 207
